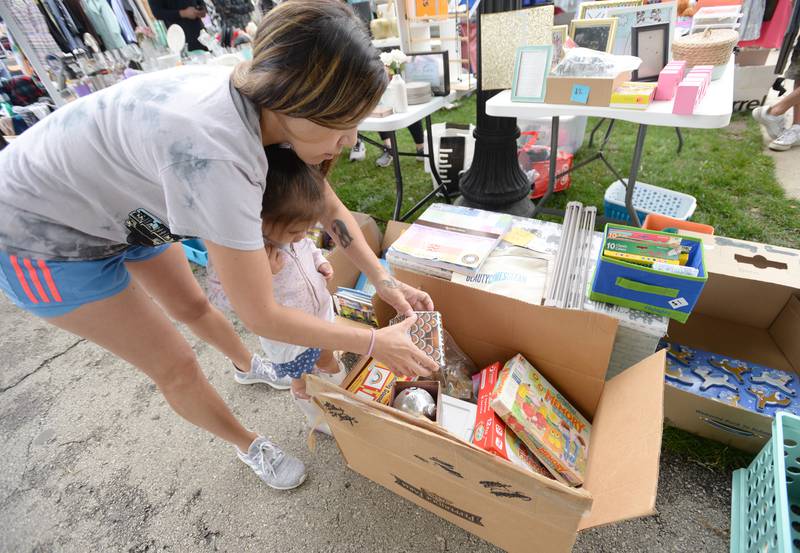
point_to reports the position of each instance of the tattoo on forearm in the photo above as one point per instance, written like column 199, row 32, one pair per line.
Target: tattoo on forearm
column 390, row 283
column 341, row 232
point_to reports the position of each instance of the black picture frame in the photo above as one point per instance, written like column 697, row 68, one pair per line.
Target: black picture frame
column 652, row 75
column 419, row 67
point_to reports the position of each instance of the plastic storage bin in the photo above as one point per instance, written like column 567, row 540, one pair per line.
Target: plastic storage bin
column 640, row 287
column 196, row 251
column 655, row 221
column 571, row 130
column 765, row 501
column 647, row 199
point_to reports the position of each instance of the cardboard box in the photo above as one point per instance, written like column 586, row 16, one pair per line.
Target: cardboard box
column 752, row 56
column 749, row 310
column 505, row 505
column 561, row 90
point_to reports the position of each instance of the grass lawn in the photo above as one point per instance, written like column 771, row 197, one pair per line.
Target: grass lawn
column 726, row 170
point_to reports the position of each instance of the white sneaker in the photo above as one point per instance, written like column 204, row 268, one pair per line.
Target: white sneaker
column 773, row 124
column 313, row 415
column 277, row 469
column 262, row 372
column 359, row 151
column 787, row 140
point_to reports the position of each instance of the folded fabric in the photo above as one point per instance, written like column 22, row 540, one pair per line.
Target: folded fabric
column 21, row 90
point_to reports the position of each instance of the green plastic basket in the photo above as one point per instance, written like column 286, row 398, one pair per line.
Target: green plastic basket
column 765, row 503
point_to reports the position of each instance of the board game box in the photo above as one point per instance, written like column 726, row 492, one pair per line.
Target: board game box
column 375, row 382
column 742, row 384
column 492, row 434
column 543, row 419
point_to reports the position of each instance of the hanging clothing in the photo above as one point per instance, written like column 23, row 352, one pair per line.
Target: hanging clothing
column 752, row 18
column 168, row 11
column 772, row 31
column 80, row 18
column 34, row 27
column 104, row 22
column 124, row 21
column 65, row 24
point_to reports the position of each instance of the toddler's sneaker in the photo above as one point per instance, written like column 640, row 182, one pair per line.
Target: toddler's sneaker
column 787, row 140
column 772, row 123
column 313, row 414
column 359, row 151
column 263, row 372
column 277, row 469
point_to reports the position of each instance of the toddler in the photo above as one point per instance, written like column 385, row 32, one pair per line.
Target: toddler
column 293, row 203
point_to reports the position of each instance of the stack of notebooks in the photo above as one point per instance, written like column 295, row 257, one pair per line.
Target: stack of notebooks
column 418, row 92
column 449, row 239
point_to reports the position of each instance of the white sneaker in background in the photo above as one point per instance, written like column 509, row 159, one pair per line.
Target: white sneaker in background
column 261, row 372
column 787, row 140
column 773, row 124
column 359, row 151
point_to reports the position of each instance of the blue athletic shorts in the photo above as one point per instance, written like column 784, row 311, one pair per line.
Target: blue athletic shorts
column 53, row 288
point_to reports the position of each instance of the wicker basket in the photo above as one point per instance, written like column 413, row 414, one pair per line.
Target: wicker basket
column 711, row 47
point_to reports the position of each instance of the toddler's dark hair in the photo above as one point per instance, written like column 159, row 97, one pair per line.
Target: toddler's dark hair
column 295, row 190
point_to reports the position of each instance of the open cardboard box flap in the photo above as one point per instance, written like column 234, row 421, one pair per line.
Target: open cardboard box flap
column 624, row 453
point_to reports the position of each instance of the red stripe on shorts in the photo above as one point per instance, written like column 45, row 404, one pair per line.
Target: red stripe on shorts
column 35, row 279
column 21, row 278
column 48, row 278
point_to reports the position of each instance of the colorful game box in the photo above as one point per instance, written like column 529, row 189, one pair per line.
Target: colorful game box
column 543, row 419
column 492, row 434
column 750, row 386
column 642, row 253
column 375, row 382
column 427, row 334
column 643, row 236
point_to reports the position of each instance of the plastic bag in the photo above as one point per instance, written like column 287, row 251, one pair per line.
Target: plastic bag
column 456, row 375
column 583, row 62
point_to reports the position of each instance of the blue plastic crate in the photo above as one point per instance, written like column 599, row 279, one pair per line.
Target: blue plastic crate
column 765, row 500
column 647, row 199
column 196, row 251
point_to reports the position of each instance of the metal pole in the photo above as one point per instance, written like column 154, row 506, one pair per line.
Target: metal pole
column 631, row 182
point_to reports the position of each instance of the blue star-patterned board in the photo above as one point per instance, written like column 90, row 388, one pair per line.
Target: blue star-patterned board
column 750, row 386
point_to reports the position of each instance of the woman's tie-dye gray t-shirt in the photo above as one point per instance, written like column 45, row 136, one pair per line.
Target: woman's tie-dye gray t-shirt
column 181, row 144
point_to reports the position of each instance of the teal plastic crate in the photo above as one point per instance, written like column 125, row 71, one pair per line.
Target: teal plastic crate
column 765, row 503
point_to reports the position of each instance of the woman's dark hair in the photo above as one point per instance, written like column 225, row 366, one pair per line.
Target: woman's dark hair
column 313, row 59
column 295, row 190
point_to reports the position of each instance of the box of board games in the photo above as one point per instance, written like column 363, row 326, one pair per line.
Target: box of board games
column 375, row 382
column 632, row 284
column 748, row 317
column 504, row 504
column 491, row 432
column 541, row 417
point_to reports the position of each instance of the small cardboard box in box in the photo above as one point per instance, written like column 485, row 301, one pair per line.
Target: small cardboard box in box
column 583, row 91
column 749, row 311
column 506, row 505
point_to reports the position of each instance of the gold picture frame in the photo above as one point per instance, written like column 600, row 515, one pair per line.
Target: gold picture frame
column 599, row 9
column 560, row 33
column 590, row 34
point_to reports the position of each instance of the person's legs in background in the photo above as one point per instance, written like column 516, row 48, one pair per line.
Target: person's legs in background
column 773, row 118
column 359, row 150
column 385, row 160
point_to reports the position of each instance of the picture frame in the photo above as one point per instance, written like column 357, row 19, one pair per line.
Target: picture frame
column 531, row 66
column 628, row 18
column 429, row 67
column 599, row 9
column 560, row 33
column 595, row 34
column 651, row 44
